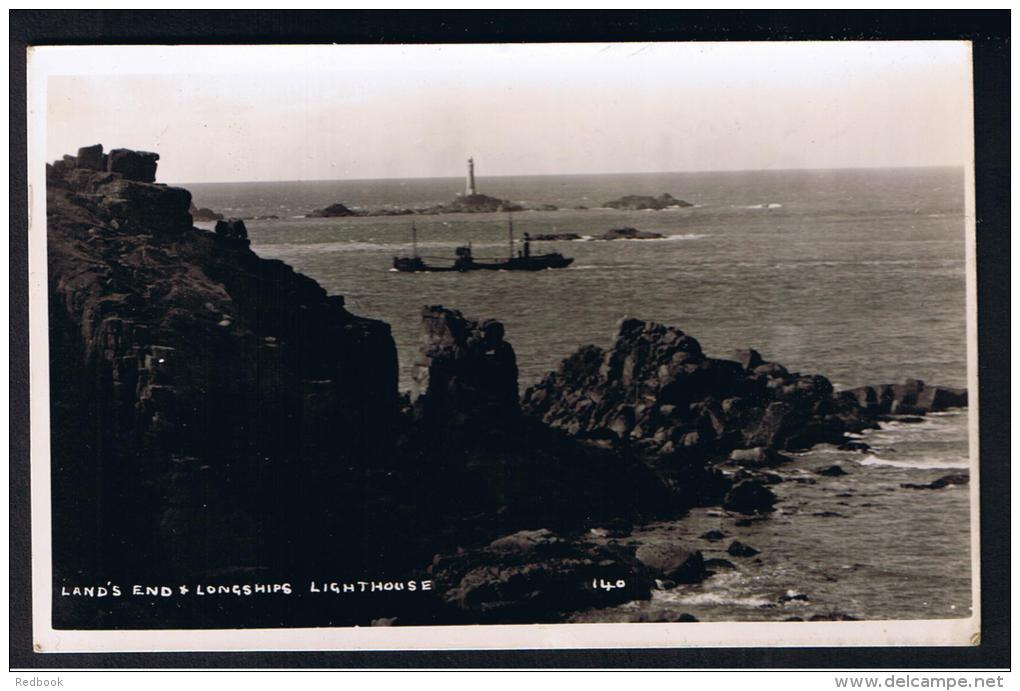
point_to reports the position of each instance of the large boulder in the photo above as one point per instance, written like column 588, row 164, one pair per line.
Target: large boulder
column 91, row 158
column 232, row 229
column 536, row 576
column 133, row 165
column 750, row 497
column 677, row 563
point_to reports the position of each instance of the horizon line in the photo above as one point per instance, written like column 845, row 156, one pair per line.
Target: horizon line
column 553, row 175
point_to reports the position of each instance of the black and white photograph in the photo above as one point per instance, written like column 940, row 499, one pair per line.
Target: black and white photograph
column 489, row 346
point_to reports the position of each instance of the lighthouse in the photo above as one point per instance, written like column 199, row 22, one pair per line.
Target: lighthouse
column 471, row 178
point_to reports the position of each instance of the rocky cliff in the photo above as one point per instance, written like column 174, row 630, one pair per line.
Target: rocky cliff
column 211, row 410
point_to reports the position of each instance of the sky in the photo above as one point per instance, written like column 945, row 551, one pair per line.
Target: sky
column 224, row 114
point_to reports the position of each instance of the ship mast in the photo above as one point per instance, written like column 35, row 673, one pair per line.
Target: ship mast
column 510, row 224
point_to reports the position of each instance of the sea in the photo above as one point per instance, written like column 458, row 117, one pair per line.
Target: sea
column 858, row 275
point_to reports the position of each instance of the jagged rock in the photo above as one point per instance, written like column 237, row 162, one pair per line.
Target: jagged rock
column 717, row 563
column 831, row 471
column 750, row 497
column 536, row 576
column 739, row 549
column 656, row 389
column 677, row 563
column 467, row 372
column 638, row 202
column 713, row 535
column 655, row 384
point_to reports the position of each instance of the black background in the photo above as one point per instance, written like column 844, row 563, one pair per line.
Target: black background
column 989, row 31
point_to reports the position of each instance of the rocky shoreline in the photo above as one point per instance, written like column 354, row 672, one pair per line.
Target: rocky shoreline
column 218, row 417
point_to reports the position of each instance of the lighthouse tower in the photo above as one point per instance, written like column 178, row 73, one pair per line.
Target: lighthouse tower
column 471, row 178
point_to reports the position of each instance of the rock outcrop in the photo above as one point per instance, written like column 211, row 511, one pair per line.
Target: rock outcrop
column 639, row 202
column 657, row 388
column 537, row 576
column 470, row 452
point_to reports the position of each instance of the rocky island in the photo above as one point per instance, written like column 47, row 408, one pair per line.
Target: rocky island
column 463, row 204
column 629, row 234
column 625, row 233
column 219, row 418
column 639, row 202
column 203, row 214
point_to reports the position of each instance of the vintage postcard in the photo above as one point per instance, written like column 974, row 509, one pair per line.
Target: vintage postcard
column 503, row 346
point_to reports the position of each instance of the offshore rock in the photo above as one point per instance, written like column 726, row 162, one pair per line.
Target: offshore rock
column 638, row 202
column 739, row 549
column 750, row 497
column 203, row 214
column 337, row 210
column 942, row 482
column 630, row 234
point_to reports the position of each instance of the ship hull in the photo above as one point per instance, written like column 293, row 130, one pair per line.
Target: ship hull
column 539, row 263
